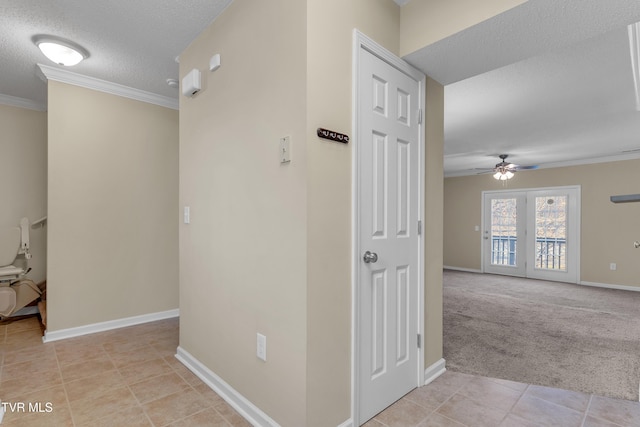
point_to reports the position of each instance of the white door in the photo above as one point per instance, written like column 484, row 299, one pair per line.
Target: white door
column 533, row 233
column 553, row 237
column 388, row 173
column 504, row 233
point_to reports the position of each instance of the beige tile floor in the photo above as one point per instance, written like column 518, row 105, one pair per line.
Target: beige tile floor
column 130, row 377
column 126, row 377
column 457, row 400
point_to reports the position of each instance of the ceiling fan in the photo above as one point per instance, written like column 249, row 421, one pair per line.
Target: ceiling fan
column 503, row 170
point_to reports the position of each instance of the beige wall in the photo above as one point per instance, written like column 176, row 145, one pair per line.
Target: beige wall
column 243, row 260
column 269, row 246
column 329, row 92
column 608, row 230
column 275, row 256
column 112, row 205
column 23, row 187
column 434, row 138
column 424, row 22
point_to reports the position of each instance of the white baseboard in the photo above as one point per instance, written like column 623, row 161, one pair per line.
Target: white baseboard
column 248, row 410
column 109, row 325
column 434, row 371
column 348, row 423
column 609, row 286
column 468, row 270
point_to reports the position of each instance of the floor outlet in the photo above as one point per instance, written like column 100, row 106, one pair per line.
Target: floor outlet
column 262, row 347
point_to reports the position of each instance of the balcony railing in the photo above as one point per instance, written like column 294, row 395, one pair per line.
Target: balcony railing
column 503, row 250
column 550, row 252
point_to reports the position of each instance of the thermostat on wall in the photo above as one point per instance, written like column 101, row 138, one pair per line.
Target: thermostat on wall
column 191, row 83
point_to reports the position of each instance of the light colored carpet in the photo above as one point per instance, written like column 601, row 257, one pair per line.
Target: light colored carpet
column 547, row 333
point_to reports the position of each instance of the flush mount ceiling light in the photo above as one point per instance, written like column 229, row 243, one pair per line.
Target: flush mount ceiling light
column 59, row 50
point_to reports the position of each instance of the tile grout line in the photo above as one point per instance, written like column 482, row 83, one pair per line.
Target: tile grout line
column 126, row 383
column 200, row 394
column 64, row 385
column 451, row 419
column 457, row 390
column 509, row 412
column 161, row 357
column 586, row 411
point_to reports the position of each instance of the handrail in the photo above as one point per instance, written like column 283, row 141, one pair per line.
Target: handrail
column 39, row 223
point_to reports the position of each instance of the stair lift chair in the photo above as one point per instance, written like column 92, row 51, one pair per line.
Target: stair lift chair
column 15, row 290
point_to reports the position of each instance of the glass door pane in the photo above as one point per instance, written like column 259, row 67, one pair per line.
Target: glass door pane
column 551, row 233
column 504, row 247
column 504, row 220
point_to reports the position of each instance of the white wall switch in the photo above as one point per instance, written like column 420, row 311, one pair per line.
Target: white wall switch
column 476, row 228
column 285, row 149
column 613, row 266
column 262, row 347
column 187, row 214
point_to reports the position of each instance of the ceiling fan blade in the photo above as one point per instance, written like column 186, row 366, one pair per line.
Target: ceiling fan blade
column 521, row 168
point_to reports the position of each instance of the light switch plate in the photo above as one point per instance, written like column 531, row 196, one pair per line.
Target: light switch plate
column 261, row 351
column 187, row 214
column 285, row 149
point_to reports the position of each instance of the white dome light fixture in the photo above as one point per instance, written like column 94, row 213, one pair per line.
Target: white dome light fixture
column 59, row 50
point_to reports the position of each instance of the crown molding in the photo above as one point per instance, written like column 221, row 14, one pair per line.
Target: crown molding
column 64, row 76
column 577, row 162
column 14, row 101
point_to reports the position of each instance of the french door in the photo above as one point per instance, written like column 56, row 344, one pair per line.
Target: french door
column 532, row 233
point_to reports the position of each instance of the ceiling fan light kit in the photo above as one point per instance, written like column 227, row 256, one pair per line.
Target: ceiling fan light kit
column 504, row 171
column 503, row 175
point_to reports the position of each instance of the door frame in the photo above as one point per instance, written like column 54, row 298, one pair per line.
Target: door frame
column 576, row 222
column 362, row 42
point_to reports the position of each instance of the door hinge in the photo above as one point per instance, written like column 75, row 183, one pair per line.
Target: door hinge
column 419, row 227
column 419, row 341
column 419, row 116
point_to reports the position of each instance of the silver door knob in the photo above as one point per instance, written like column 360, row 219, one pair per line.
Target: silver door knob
column 370, row 257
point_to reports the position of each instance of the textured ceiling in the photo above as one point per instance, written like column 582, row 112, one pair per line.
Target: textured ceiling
column 132, row 43
column 548, row 82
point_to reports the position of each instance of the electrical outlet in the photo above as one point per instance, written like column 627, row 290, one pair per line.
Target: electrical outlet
column 261, row 351
column 613, row 266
